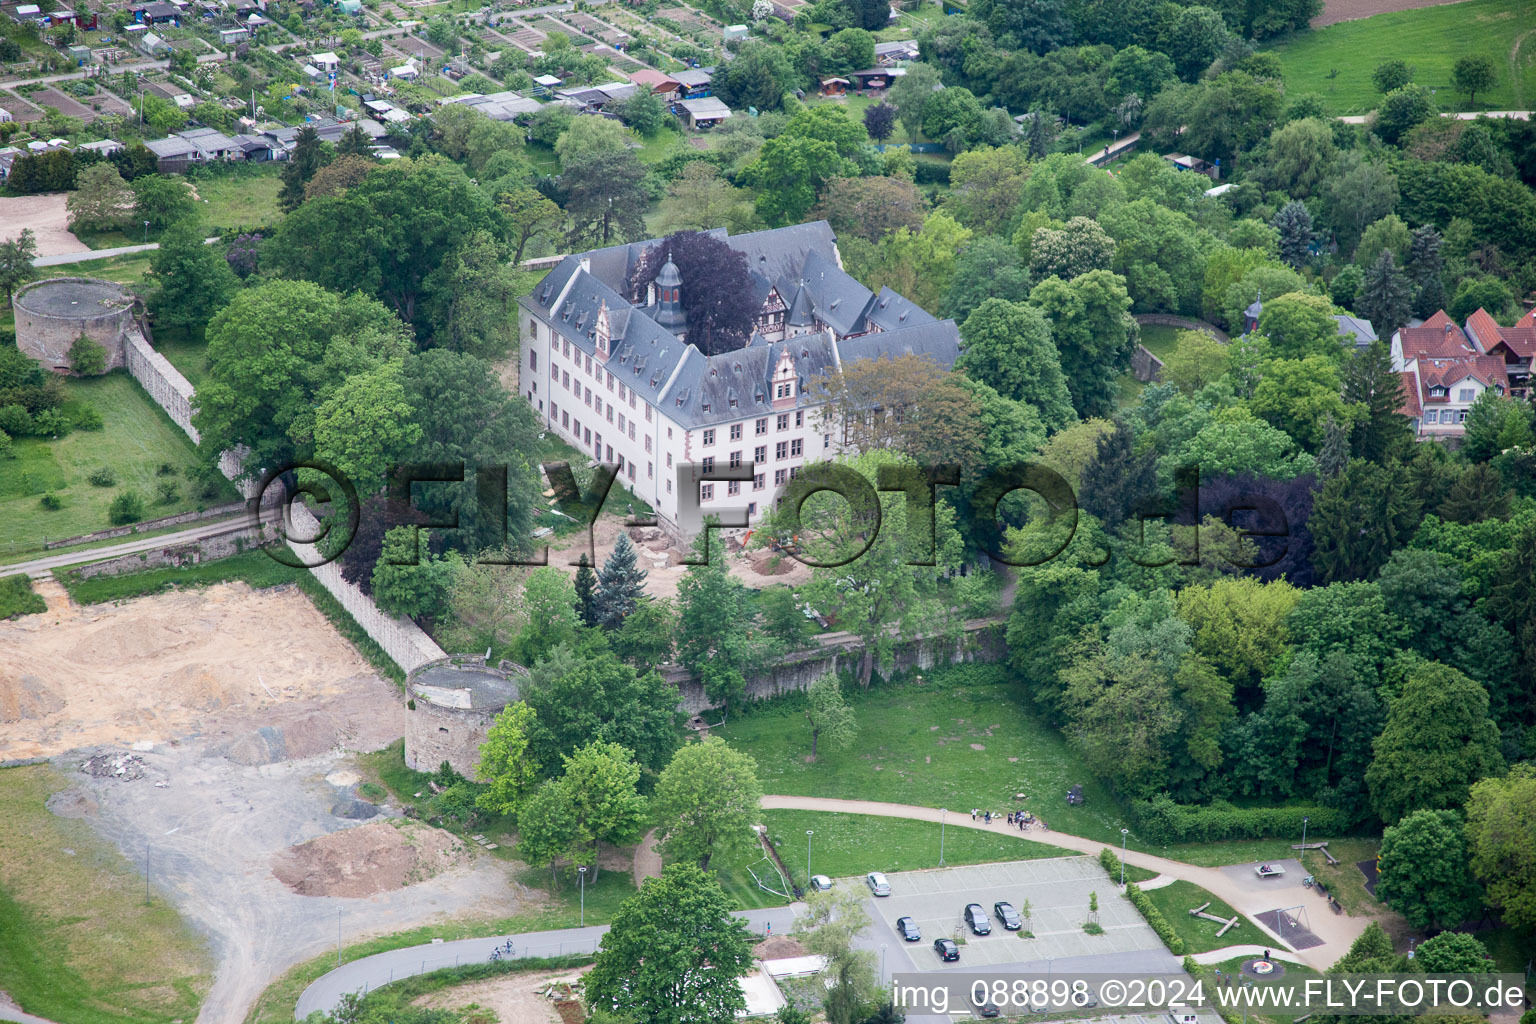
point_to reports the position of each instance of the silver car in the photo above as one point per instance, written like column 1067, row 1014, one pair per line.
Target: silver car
column 877, row 884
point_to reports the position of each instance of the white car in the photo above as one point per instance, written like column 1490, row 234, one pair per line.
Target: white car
column 877, row 884
column 821, row 883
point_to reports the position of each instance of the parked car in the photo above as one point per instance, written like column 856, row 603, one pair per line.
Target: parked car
column 907, row 929
column 821, row 883
column 946, row 949
column 1007, row 915
column 983, row 1007
column 877, row 884
column 976, row 919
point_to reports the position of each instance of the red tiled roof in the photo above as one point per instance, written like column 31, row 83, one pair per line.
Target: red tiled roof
column 1411, row 405
column 1440, row 319
column 1449, row 372
column 653, row 78
column 1483, row 329
column 1441, row 341
column 1519, row 340
column 1529, row 320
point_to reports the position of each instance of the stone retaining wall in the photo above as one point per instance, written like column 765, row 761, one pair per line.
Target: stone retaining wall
column 1184, row 323
column 146, row 525
column 222, row 546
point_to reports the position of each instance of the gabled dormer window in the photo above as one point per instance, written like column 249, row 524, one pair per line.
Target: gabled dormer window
column 1438, row 392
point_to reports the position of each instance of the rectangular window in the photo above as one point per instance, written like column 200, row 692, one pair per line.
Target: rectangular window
column 610, row 382
column 1466, row 394
column 554, row 411
column 735, row 459
column 565, row 347
column 826, row 440
column 762, row 426
column 733, row 487
column 783, row 422
column 631, row 473
column 757, row 481
column 647, row 414
column 610, row 414
column 565, row 420
column 778, row 476
column 1430, row 416
column 610, row 454
column 669, row 460
column 796, row 448
column 533, row 360
column 631, row 430
column 751, row 508
column 589, row 364
column 1461, row 415
column 587, row 398
column 669, row 485
column 800, row 419
column 669, row 433
column 782, row 391
column 735, row 431
column 647, row 443
column 760, row 453
column 649, row 467
column 589, row 435
column 794, row 471
column 709, row 438
column 621, row 422
column 632, row 401
column 708, row 464
column 707, row 492
column 565, row 379
column 781, row 450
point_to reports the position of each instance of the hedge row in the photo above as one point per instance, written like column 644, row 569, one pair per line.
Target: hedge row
column 1109, row 862
column 1142, row 902
column 1163, row 821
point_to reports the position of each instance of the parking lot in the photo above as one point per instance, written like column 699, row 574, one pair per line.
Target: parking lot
column 1057, row 891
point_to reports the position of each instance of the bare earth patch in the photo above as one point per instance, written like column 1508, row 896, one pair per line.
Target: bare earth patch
column 46, row 217
column 515, row 999
column 378, row 857
column 228, row 663
column 1335, row 11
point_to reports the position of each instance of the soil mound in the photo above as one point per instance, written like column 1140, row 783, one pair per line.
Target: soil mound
column 373, row 858
column 27, row 698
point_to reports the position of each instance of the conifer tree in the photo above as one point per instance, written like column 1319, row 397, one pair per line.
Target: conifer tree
column 1295, row 226
column 1385, row 297
column 1424, row 266
column 1334, row 455
column 1370, row 382
column 586, row 597
column 620, row 584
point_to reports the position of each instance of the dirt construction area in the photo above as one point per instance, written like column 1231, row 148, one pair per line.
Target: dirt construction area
column 209, row 735
column 202, row 662
column 514, row 999
column 46, row 216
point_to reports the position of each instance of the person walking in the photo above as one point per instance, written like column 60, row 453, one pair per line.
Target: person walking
column 973, row 814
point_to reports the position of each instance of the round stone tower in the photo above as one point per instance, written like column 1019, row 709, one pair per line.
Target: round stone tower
column 51, row 314
column 453, row 703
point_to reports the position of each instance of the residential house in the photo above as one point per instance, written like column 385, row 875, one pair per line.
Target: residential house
column 615, row 373
column 704, row 112
column 1352, row 329
column 1445, row 368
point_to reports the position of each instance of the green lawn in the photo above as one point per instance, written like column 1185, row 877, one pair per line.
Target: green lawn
column 849, row 845
column 187, row 354
column 254, row 567
column 1292, row 972
column 136, row 439
column 1431, row 39
column 77, row 942
column 1344, row 879
column 244, row 198
column 961, row 738
column 1199, row 935
column 1159, row 339
column 1231, row 851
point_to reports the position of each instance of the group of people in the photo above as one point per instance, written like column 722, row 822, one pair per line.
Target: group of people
column 1021, row 818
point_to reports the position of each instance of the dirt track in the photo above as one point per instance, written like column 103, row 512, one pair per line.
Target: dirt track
column 46, row 217
column 1335, row 11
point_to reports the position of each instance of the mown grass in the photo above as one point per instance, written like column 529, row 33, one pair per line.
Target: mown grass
column 78, row 943
column 1234, row 966
column 1234, row 851
column 1199, row 935
column 17, row 597
column 1159, row 339
column 960, row 738
column 1431, row 39
column 135, row 440
column 243, row 197
column 1344, row 880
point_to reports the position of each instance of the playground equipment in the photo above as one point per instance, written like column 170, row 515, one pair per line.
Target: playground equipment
column 1226, row 925
column 1321, row 847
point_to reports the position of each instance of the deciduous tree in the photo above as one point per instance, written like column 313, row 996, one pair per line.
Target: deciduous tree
column 1501, row 817
column 1425, row 871
column 706, row 802
column 829, row 713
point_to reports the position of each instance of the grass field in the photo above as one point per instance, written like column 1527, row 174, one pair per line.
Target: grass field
column 847, row 845
column 254, row 567
column 135, row 440
column 1431, row 39
column 187, row 354
column 1199, row 935
column 1159, row 339
column 1344, row 880
column 1292, row 972
column 17, row 597
column 77, row 942
column 961, row 738
column 246, row 198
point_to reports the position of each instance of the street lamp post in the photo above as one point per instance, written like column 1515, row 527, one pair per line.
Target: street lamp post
column 943, row 814
column 808, row 834
column 1303, row 837
column 1124, row 833
column 146, row 232
column 882, row 963
column 582, row 874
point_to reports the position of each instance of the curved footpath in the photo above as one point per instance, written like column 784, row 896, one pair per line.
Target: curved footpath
column 1336, row 931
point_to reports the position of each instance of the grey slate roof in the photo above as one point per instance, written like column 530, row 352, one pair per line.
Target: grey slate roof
column 939, row 341
column 1362, row 330
column 838, row 298
column 707, row 386
column 890, row 311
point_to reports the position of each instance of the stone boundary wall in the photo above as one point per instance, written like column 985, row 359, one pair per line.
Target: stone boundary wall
column 144, row 526
column 1184, row 323
column 1146, row 366
column 225, row 544
column 982, row 640
column 404, row 641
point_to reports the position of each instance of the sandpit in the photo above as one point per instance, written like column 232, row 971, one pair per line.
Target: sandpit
column 515, row 999
column 47, row 218
column 260, row 673
column 378, row 857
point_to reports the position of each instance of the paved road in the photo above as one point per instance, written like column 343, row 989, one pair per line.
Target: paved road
column 38, row 567
column 380, row 969
column 11, row 1013
column 1336, row 931
column 1465, row 115
column 100, row 254
column 115, row 69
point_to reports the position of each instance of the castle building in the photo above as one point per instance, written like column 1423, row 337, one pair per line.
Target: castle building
column 616, row 376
